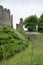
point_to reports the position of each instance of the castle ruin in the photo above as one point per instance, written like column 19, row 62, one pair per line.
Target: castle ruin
column 20, row 25
column 5, row 17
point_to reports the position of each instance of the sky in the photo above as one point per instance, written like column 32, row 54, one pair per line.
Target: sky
column 23, row 8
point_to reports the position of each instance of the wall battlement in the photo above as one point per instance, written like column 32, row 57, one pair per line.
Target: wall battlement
column 5, row 17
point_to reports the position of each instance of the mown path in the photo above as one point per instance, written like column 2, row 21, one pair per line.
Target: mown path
column 33, row 55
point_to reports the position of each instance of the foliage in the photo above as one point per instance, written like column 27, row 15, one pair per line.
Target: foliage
column 31, row 22
column 41, row 23
column 13, row 41
column 41, row 20
column 32, row 55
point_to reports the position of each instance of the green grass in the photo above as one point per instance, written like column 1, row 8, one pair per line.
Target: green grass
column 22, row 58
column 33, row 55
column 37, row 49
column 13, row 41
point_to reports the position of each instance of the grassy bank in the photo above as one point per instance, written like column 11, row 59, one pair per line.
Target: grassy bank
column 11, row 42
column 32, row 55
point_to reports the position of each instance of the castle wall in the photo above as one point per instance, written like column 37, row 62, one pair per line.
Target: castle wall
column 5, row 17
column 20, row 25
column 11, row 18
column 1, row 10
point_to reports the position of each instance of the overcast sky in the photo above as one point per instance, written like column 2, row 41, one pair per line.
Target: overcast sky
column 23, row 8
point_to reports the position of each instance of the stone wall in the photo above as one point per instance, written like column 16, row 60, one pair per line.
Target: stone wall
column 5, row 17
column 20, row 25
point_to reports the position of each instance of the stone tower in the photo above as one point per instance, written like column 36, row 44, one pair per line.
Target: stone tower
column 20, row 25
column 5, row 17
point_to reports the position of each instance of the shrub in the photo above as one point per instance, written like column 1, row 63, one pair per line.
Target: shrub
column 13, row 41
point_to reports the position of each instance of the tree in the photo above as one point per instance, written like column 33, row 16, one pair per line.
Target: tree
column 31, row 22
column 40, row 23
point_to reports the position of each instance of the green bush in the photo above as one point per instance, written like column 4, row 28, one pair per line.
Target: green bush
column 1, row 53
column 13, row 41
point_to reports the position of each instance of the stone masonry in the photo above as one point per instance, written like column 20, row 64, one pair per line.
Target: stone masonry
column 5, row 17
column 20, row 25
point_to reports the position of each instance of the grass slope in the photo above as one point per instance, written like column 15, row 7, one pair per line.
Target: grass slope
column 33, row 55
column 22, row 58
column 11, row 42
